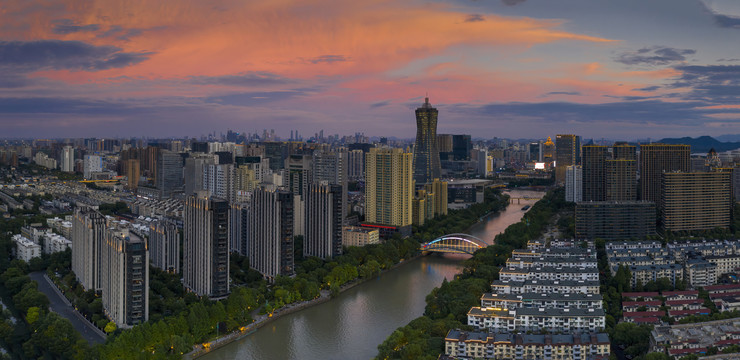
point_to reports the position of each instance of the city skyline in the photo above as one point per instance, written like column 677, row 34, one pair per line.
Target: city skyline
column 630, row 69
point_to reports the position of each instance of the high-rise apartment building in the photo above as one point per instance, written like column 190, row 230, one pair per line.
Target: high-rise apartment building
column 621, row 174
column 271, row 233
column 93, row 164
column 426, row 152
column 169, row 173
column 194, row 171
column 439, row 190
column 574, row 183
column 567, row 153
column 389, row 187
column 594, row 172
column 356, row 165
column 164, row 246
column 125, row 280
column 615, row 220
column 132, row 169
column 695, row 201
column 331, row 167
column 218, row 180
column 298, row 169
column 656, row 159
column 324, row 219
column 88, row 236
column 239, row 227
column 535, row 151
column 67, row 163
column 205, row 265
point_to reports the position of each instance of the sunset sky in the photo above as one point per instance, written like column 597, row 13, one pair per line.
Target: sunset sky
column 624, row 69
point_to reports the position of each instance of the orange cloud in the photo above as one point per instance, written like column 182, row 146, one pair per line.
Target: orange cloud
column 302, row 39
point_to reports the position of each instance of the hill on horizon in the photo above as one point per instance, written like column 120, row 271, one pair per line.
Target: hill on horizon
column 702, row 144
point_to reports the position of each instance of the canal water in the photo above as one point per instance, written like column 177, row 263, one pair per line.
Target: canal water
column 352, row 325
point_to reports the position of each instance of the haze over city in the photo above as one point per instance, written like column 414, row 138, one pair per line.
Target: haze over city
column 510, row 68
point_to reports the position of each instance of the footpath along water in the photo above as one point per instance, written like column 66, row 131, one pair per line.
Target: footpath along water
column 352, row 325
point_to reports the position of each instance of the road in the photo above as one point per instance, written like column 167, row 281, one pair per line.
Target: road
column 60, row 305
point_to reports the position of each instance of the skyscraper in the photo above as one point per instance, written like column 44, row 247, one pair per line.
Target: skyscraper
column 356, row 165
column 439, row 189
column 298, row 168
column 169, row 173
column 389, row 187
column 655, row 159
column 426, row 152
column 68, row 159
column 548, row 151
column 574, row 183
column 219, row 180
column 93, row 164
column 594, row 172
column 164, row 246
column 205, row 265
column 271, row 233
column 621, row 174
column 88, row 234
column 125, row 280
column 132, row 169
column 331, row 167
column 324, row 218
column 567, row 153
column 239, row 228
column 194, row 169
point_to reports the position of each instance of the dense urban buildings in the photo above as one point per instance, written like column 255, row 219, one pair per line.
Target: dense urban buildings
column 205, row 265
column 426, row 152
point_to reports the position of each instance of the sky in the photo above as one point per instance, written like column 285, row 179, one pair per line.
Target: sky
column 627, row 69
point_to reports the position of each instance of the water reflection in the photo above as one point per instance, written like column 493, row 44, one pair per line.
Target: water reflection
column 352, row 325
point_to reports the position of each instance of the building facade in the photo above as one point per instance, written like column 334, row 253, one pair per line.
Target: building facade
column 324, row 218
column 615, row 220
column 574, row 183
column 593, row 163
column 655, row 159
column 88, row 235
column 270, row 246
column 205, row 265
column 389, row 187
column 164, row 246
column 695, row 201
column 125, row 281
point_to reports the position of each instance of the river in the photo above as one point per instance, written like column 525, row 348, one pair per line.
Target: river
column 352, row 325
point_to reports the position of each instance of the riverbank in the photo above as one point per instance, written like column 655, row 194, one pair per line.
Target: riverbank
column 264, row 320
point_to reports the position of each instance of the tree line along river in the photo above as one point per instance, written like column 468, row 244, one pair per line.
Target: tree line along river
column 352, row 325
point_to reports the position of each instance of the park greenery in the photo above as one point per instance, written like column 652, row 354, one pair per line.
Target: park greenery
column 447, row 305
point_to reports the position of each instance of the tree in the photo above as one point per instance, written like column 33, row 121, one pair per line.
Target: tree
column 33, row 314
column 110, row 327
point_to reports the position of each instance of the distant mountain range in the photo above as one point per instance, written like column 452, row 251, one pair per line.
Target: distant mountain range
column 703, row 144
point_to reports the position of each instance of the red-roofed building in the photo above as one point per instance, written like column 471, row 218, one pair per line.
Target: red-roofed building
column 680, row 314
column 680, row 295
column 680, row 352
column 630, row 316
column 690, row 304
column 629, row 306
column 645, row 320
column 637, row 295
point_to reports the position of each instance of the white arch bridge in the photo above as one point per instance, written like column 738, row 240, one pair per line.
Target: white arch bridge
column 455, row 244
